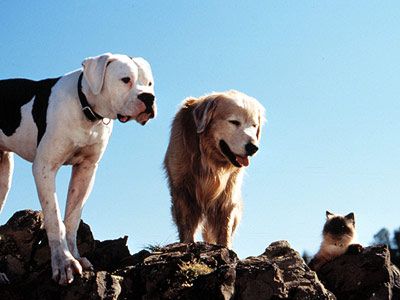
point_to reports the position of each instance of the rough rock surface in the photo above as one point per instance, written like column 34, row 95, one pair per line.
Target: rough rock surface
column 279, row 273
column 368, row 275
column 181, row 271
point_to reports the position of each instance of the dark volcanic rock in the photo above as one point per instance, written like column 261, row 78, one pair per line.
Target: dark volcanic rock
column 279, row 273
column 184, row 271
column 25, row 258
column 368, row 275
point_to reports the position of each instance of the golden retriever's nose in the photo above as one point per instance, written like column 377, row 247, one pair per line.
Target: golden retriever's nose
column 250, row 149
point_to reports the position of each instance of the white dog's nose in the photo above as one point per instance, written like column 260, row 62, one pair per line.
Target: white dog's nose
column 148, row 100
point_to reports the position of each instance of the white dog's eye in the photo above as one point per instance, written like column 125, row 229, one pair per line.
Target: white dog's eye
column 235, row 122
column 150, row 83
column 125, row 79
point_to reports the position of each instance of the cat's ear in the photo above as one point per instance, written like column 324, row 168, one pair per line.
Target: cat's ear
column 329, row 215
column 350, row 217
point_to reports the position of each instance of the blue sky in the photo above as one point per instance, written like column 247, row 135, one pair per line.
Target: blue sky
column 326, row 72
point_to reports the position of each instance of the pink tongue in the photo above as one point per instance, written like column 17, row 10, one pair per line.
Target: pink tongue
column 244, row 161
column 123, row 119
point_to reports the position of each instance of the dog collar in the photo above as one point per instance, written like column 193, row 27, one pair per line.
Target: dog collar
column 87, row 110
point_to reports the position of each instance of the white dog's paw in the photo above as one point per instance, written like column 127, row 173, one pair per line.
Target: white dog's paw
column 85, row 263
column 64, row 267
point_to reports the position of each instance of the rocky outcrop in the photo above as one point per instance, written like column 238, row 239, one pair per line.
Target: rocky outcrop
column 179, row 271
column 368, row 275
column 279, row 273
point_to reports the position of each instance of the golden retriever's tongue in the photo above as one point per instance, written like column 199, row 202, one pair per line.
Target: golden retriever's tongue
column 122, row 119
column 243, row 160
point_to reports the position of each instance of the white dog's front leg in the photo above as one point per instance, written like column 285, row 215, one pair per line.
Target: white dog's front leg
column 62, row 262
column 6, row 171
column 81, row 184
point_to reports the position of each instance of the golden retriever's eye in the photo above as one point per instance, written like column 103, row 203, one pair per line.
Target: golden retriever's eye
column 235, row 122
column 125, row 79
column 254, row 125
column 150, row 83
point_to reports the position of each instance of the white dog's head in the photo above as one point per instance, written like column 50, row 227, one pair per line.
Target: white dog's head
column 123, row 87
column 230, row 125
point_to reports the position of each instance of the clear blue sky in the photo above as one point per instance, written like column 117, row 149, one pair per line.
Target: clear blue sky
column 328, row 73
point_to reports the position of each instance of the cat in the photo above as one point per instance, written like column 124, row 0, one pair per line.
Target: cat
column 338, row 237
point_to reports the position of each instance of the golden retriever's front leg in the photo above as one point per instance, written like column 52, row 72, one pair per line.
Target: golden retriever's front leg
column 186, row 214
column 81, row 183
column 209, row 236
column 221, row 223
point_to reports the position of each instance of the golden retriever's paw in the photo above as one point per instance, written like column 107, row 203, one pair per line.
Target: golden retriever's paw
column 64, row 268
column 85, row 263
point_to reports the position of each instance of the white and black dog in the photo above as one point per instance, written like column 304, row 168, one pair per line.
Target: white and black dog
column 68, row 121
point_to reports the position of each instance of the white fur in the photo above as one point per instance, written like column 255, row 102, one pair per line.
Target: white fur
column 70, row 138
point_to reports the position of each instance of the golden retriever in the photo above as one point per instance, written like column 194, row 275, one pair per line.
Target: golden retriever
column 211, row 140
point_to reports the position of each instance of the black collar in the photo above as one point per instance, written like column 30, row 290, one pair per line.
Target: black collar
column 87, row 110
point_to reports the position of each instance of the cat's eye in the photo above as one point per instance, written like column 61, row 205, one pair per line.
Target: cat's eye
column 235, row 122
column 125, row 79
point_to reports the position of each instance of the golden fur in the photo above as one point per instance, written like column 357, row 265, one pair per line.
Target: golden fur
column 205, row 185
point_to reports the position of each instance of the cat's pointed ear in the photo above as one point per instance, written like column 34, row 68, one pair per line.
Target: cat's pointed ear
column 350, row 217
column 329, row 215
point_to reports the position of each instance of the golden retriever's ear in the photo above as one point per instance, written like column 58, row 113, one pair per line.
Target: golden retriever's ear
column 259, row 126
column 261, row 121
column 202, row 114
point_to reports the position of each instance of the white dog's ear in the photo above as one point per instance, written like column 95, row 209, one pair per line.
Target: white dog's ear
column 94, row 69
column 202, row 113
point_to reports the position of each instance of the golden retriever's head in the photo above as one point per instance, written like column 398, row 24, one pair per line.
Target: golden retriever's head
column 230, row 126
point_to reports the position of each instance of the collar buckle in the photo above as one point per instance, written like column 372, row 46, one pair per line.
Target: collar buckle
column 89, row 113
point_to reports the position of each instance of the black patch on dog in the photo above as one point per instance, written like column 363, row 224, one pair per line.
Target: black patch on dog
column 14, row 93
column 39, row 108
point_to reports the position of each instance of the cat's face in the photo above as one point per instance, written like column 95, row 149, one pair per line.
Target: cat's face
column 338, row 226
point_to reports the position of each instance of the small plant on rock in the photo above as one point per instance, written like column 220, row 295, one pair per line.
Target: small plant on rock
column 191, row 270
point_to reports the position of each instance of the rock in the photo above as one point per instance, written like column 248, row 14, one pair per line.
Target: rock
column 185, row 271
column 367, row 275
column 279, row 273
column 25, row 258
column 109, row 255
